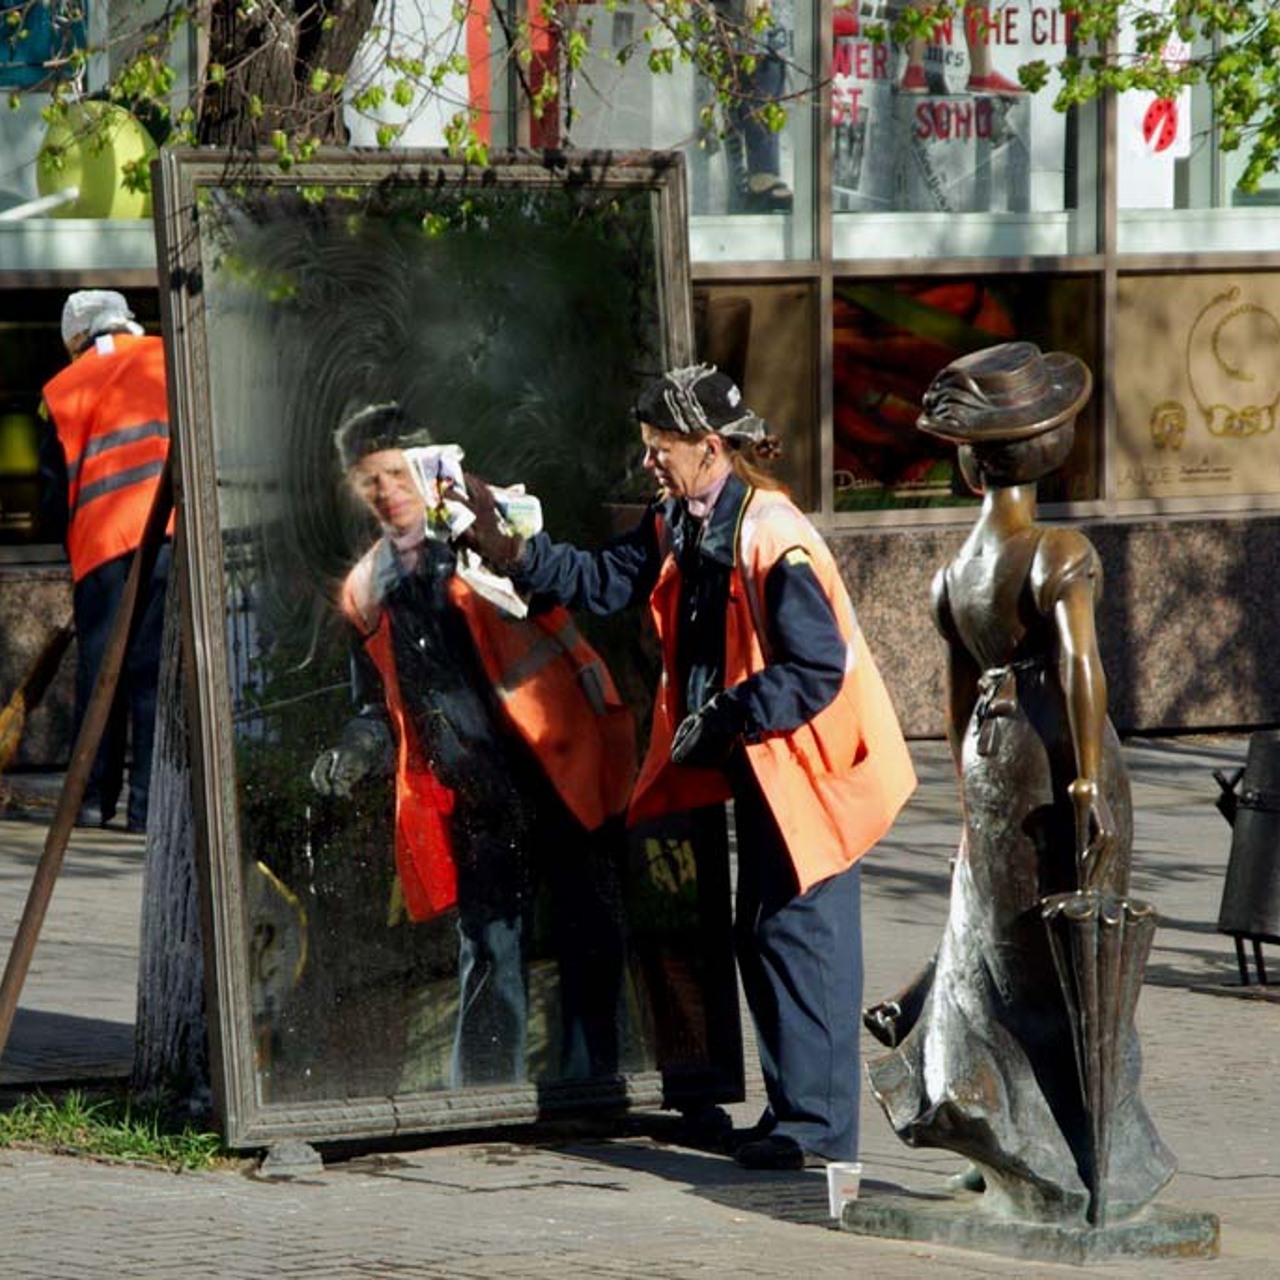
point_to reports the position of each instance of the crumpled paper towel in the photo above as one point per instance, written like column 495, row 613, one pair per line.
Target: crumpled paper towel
column 437, row 470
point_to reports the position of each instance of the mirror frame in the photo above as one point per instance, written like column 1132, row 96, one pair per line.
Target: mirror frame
column 246, row 1120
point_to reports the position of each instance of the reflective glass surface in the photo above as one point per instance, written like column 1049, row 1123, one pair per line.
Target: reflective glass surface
column 423, row 900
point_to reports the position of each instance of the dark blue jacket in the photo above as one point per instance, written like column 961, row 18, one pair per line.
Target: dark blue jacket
column 807, row 654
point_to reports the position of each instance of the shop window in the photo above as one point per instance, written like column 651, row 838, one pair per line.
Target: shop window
column 892, row 337
column 1177, row 190
column 36, row 39
column 939, row 137
column 750, row 188
column 98, row 143
column 1197, row 408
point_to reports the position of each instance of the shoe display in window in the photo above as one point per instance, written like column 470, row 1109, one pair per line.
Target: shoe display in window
column 913, row 80
column 995, row 84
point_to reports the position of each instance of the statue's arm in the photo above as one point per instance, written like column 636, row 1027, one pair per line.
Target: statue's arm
column 1067, row 580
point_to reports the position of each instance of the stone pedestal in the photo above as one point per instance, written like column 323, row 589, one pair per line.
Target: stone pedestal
column 1157, row 1232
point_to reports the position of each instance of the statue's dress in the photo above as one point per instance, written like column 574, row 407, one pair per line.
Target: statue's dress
column 984, row 1063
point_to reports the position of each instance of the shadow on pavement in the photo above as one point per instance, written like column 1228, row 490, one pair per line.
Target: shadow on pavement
column 58, row 1048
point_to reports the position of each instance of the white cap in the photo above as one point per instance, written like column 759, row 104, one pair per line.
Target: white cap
column 90, row 312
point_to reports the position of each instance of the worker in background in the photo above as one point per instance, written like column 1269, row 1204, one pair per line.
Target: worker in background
column 102, row 459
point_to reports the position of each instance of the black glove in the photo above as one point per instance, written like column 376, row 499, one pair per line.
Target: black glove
column 489, row 536
column 706, row 739
column 364, row 750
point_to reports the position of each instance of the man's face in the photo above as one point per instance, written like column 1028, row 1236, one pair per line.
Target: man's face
column 384, row 484
column 679, row 463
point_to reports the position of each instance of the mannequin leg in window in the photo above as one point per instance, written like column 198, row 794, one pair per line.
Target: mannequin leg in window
column 983, row 78
column 752, row 149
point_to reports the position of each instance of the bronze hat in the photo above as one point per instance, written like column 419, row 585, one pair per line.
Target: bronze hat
column 1012, row 391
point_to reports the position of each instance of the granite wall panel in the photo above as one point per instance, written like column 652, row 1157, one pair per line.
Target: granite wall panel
column 1186, row 625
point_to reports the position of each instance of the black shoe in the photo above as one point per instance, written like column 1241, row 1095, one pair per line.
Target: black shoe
column 740, row 1137
column 776, row 1152
column 91, row 815
column 706, row 1126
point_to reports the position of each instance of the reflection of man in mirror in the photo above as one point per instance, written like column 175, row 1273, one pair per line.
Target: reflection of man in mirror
column 101, row 463
column 507, row 737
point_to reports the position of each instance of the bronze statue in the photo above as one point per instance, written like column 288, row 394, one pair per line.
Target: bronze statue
column 1015, row 1047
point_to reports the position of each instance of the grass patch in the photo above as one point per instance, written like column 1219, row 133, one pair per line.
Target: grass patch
column 110, row 1128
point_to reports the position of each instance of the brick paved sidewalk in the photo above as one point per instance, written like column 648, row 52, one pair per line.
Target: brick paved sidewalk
column 577, row 1203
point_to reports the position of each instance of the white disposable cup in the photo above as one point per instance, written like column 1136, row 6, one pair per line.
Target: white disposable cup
column 843, row 1180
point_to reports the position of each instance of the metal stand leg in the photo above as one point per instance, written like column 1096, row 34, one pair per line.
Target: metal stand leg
column 1241, row 961
column 1257, row 960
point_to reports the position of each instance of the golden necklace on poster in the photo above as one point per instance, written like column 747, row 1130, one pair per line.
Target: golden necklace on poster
column 1197, row 385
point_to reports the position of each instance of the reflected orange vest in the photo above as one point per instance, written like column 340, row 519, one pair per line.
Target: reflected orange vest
column 557, row 693
column 110, row 409
column 835, row 784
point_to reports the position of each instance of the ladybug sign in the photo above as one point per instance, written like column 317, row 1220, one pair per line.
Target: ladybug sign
column 1160, row 124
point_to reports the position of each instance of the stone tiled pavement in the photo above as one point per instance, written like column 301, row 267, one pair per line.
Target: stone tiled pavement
column 633, row 1203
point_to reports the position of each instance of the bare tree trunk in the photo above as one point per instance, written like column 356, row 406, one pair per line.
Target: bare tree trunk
column 272, row 51
column 171, row 1054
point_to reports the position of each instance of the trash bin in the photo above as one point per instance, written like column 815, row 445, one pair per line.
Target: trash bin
column 1250, row 801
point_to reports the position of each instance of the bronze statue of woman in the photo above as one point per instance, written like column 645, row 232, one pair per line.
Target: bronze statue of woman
column 983, row 1045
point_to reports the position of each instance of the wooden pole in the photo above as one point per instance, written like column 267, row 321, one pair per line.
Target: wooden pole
column 86, row 748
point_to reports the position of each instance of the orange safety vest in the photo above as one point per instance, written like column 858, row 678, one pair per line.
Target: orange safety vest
column 110, row 409
column 835, row 784
column 557, row 693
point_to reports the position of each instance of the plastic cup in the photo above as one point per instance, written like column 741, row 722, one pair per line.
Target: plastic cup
column 843, row 1180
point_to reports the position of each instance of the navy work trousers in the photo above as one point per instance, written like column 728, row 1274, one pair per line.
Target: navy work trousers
column 95, row 601
column 800, row 956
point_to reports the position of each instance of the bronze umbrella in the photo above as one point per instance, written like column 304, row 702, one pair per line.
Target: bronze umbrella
column 1100, row 945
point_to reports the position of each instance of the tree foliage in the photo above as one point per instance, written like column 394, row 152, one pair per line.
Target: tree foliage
column 279, row 75
column 1232, row 47
column 1162, row 46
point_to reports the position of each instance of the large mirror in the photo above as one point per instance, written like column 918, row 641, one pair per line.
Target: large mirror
column 408, row 944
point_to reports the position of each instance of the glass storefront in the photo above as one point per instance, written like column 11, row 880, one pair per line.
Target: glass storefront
column 751, row 185
column 914, row 204
column 937, row 149
column 1177, row 190
column 892, row 336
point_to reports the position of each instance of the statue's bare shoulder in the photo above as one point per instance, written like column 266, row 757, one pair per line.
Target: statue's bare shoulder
column 1063, row 557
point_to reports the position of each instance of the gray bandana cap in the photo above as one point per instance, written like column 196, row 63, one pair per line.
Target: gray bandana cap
column 90, row 312
column 376, row 427
column 697, row 400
